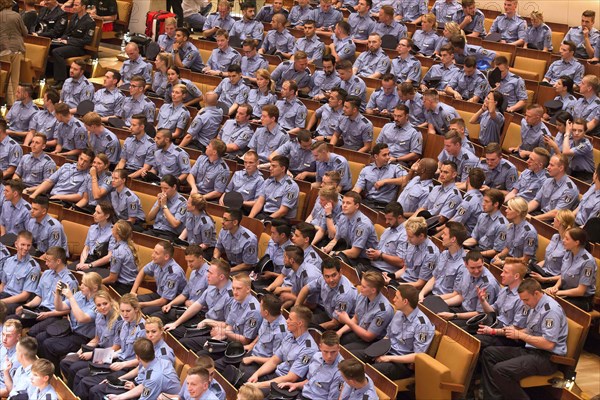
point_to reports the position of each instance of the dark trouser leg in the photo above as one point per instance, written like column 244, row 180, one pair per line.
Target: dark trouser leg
column 99, row 391
column 121, row 288
column 351, row 340
column 59, row 57
column 82, row 389
column 248, row 370
column 71, row 368
column 55, row 348
column 394, row 371
column 38, row 326
column 194, row 343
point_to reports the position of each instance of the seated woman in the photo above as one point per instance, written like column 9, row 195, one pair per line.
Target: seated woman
column 199, row 226
column 577, row 147
column 124, row 259
column 426, row 38
column 577, row 279
column 193, row 95
column 98, row 243
column 96, row 186
column 108, row 325
column 262, row 95
column 163, row 62
column 551, row 264
column 174, row 116
column 490, row 119
column 79, row 328
column 132, row 328
column 168, row 211
column 521, row 240
column 450, row 29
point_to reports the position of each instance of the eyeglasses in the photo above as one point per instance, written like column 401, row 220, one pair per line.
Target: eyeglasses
column 135, row 86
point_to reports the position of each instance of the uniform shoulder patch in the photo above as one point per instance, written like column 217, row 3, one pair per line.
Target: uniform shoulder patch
column 382, row 306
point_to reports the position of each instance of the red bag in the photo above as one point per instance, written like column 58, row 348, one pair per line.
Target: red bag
column 155, row 23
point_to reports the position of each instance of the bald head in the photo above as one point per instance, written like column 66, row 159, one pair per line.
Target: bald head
column 427, row 168
column 212, row 99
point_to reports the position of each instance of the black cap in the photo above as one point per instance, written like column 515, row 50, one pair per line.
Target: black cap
column 152, row 50
column 234, row 352
column 553, row 106
column 59, row 328
column 28, row 314
column 235, row 41
column 416, row 49
column 192, row 331
column 215, row 346
column 494, row 77
column 233, row 200
column 389, row 41
column 592, row 227
column 379, row 348
column 265, row 264
column 85, row 107
column 149, row 129
column 278, row 393
column 116, row 122
column 232, row 375
column 493, row 37
column 487, row 319
column 436, row 304
column 433, row 82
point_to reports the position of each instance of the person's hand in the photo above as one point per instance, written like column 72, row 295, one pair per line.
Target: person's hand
column 446, row 315
column 328, row 208
column 457, row 96
column 383, row 359
column 552, row 290
column 7, row 364
column 290, row 385
column 386, row 278
column 586, row 32
column 569, row 127
column 129, row 385
column 82, row 267
column 523, row 153
column 166, row 308
column 511, row 332
column 19, row 310
column 378, row 185
column 253, row 379
column 170, row 327
column 86, row 356
column 468, row 19
column 43, row 315
column 484, row 330
column 247, row 360
column 162, row 199
column 481, row 293
column 117, row 366
column 343, row 317
column 93, row 172
column 175, row 46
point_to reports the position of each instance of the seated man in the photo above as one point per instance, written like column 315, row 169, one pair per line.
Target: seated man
column 470, row 84
column 357, row 385
column 355, row 132
column 378, row 181
column 327, row 161
column 500, row 173
column 489, row 234
column 567, row 65
column 247, row 27
column 510, row 25
column 328, row 115
column 278, row 195
column 303, row 236
column 19, row 275
column 137, row 152
column 290, row 361
column 420, row 184
column 588, row 105
column 443, row 200
column 455, row 152
column 232, row 91
column 136, row 103
column 326, row 15
column 280, row 239
column 470, row 208
column 222, row 57
column 239, row 323
column 545, row 332
column 386, row 98
column 404, row 141
column 342, row 46
column 332, row 291
column 278, row 39
column 355, row 232
column 558, row 192
column 389, row 255
column 406, row 67
column 109, row 98
column 292, row 111
column 101, row 139
column 324, row 82
column 296, row 70
column 71, row 133
column 530, row 181
column 374, row 62
column 294, row 276
column 267, row 12
column 247, row 181
column 352, row 84
column 450, row 264
column 476, row 281
column 271, row 332
column 218, row 20
column 511, row 86
column 470, row 19
column 210, row 174
column 585, row 35
column 236, row 133
column 373, row 314
column 437, row 114
column 237, row 243
column 205, row 125
column 410, row 332
column 443, row 71
column 67, row 182
column 298, row 151
column 21, row 113
column 169, row 159
column 310, row 44
column 420, row 255
column 533, row 131
column 388, row 25
column 185, row 54
column 462, row 50
column 155, row 376
column 323, row 380
column 169, row 276
column 37, row 166
column 14, row 210
column 270, row 136
column 134, row 66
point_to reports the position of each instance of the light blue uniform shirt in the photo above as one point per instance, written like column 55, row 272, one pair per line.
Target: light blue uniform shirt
column 415, row 193
column 170, row 278
column 295, row 354
column 490, row 231
column 547, row 319
column 74, row 91
column 557, row 195
column 106, row 102
column 240, row 247
column 88, row 306
column 420, row 261
column 20, row 275
column 123, row 264
column 270, row 335
column 511, row 29
column 264, row 142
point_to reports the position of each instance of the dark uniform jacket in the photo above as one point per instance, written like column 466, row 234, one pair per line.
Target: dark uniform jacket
column 52, row 21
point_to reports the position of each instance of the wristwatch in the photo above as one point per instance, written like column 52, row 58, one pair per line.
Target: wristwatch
column 164, row 207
